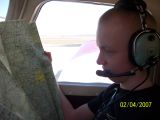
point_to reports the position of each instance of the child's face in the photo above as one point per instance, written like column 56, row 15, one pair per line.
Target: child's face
column 112, row 39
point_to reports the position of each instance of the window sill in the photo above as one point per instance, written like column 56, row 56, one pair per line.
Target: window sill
column 82, row 89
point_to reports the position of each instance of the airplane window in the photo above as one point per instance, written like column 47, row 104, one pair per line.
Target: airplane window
column 68, row 31
column 3, row 9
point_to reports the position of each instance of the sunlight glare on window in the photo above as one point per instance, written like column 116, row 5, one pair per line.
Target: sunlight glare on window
column 68, row 31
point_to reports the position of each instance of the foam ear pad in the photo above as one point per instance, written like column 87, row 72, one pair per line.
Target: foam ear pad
column 144, row 45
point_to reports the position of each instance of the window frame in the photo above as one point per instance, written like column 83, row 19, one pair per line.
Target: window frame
column 82, row 89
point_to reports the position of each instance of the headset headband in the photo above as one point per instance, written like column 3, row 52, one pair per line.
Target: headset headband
column 143, row 14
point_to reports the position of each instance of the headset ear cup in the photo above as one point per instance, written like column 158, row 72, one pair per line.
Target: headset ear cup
column 131, row 47
column 144, row 45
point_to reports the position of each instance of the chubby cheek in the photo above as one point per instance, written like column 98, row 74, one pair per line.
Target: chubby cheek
column 120, row 64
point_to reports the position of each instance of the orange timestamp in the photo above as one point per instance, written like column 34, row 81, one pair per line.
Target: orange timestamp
column 135, row 104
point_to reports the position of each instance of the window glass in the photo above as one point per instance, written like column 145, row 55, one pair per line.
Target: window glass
column 3, row 9
column 68, row 31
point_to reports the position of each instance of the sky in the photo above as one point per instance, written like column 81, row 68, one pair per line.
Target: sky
column 3, row 8
column 68, row 18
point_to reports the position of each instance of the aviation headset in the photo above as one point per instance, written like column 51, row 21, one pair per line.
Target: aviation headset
column 144, row 44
